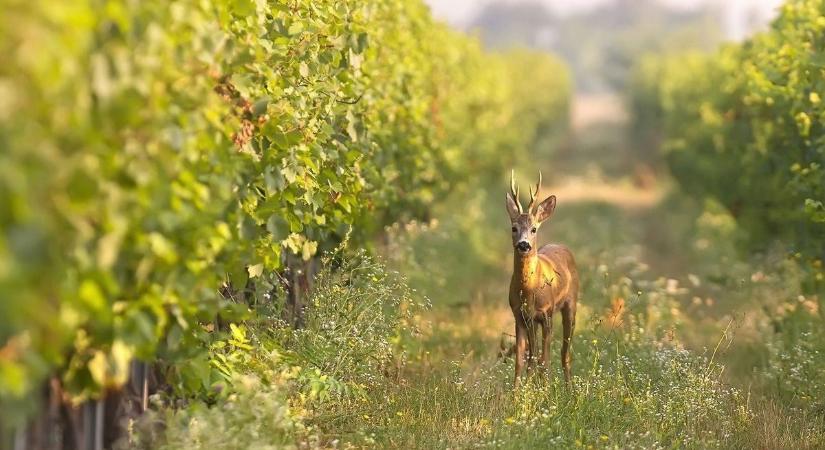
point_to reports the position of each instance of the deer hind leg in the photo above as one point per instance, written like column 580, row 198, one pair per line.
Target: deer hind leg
column 521, row 349
column 568, row 320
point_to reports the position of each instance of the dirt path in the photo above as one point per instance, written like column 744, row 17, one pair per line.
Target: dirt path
column 615, row 193
column 593, row 109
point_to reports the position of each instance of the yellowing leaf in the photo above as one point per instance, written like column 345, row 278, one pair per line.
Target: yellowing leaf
column 803, row 121
column 163, row 248
column 121, row 356
column 255, row 270
column 97, row 368
column 295, row 28
column 309, row 249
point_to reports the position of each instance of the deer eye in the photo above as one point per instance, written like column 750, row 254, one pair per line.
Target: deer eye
column 514, row 229
column 533, row 230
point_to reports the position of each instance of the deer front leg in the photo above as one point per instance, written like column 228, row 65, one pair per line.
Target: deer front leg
column 532, row 344
column 546, row 337
column 521, row 349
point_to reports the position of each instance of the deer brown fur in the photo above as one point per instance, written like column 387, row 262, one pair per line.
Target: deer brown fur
column 545, row 280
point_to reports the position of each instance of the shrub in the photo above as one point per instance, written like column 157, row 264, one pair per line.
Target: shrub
column 255, row 416
column 358, row 319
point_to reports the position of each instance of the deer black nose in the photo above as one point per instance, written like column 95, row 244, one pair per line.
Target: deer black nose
column 523, row 246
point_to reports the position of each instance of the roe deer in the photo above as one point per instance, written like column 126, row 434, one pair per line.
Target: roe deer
column 544, row 280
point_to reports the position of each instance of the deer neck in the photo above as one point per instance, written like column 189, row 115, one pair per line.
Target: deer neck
column 525, row 268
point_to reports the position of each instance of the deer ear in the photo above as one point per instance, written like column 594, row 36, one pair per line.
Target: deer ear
column 512, row 208
column 545, row 209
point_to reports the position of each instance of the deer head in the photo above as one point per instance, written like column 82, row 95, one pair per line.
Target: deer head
column 525, row 224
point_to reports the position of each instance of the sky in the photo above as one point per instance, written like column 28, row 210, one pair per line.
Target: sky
column 461, row 12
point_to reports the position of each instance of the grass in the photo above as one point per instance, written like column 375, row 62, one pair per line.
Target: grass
column 627, row 393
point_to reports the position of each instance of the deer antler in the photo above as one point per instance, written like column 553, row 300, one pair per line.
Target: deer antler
column 514, row 192
column 534, row 196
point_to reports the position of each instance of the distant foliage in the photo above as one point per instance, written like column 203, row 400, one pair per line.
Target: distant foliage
column 153, row 151
column 746, row 126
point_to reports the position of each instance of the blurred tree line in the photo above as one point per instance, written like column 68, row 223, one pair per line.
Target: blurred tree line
column 601, row 45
